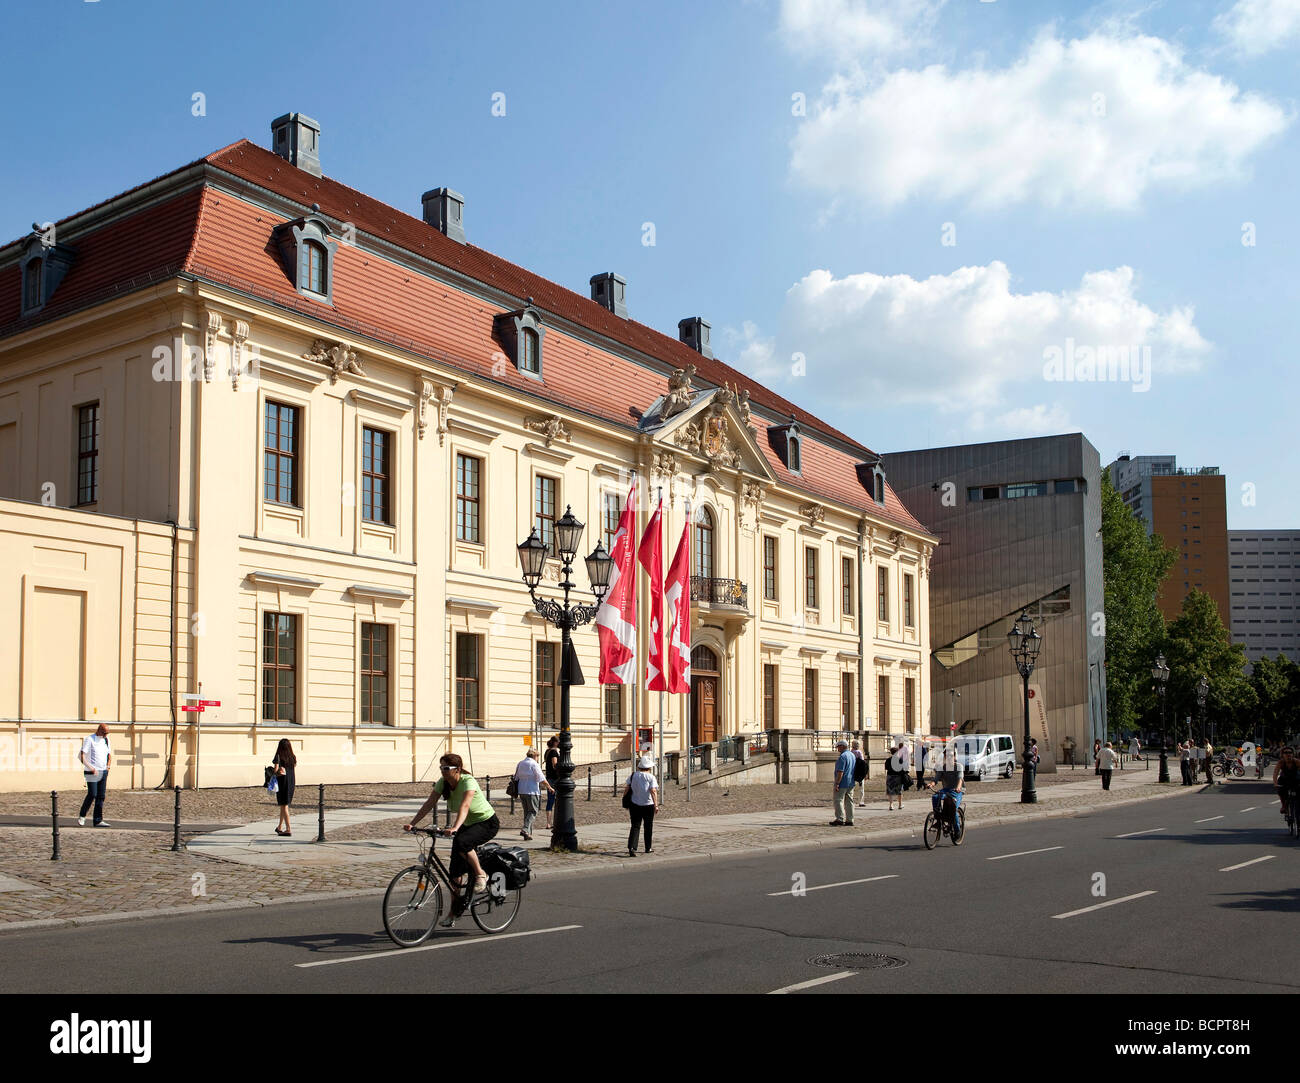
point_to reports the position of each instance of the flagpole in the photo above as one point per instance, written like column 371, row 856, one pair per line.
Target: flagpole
column 659, row 768
column 686, row 720
column 636, row 646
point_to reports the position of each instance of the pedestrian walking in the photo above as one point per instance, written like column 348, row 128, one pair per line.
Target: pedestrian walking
column 859, row 774
column 1185, row 761
column 552, row 775
column 96, row 759
column 1134, row 748
column 905, row 763
column 1033, row 751
column 1106, row 764
column 922, row 754
column 283, row 765
column 843, row 786
column 641, row 796
column 1096, row 756
column 1209, row 756
column 529, row 779
column 894, row 777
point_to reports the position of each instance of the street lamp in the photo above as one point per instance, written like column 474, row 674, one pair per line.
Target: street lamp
column 1160, row 671
column 532, row 558
column 1025, row 643
column 1202, row 691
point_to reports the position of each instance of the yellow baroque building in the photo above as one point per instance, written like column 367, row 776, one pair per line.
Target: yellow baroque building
column 268, row 443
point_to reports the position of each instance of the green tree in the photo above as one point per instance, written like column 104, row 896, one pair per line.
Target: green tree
column 1197, row 644
column 1276, row 685
column 1133, row 565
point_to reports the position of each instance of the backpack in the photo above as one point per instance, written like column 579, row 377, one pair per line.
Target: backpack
column 860, row 769
column 510, row 861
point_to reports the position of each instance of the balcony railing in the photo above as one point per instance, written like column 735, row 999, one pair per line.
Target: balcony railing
column 719, row 591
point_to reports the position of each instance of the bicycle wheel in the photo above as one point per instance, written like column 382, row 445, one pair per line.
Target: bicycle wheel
column 931, row 831
column 1217, row 769
column 493, row 910
column 959, row 828
column 412, row 906
column 1238, row 770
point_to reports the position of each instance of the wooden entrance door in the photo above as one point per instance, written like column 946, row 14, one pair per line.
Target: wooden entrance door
column 704, row 696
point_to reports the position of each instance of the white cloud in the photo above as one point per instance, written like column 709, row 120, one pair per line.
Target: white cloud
column 857, row 29
column 1097, row 121
column 964, row 341
column 1037, row 420
column 1253, row 27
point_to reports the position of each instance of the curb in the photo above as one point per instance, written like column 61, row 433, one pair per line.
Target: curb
column 547, row 874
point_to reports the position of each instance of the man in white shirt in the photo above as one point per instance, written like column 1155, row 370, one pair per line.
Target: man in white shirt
column 96, row 758
column 528, row 774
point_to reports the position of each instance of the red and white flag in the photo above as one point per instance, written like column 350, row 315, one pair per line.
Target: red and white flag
column 678, row 596
column 616, row 618
column 651, row 555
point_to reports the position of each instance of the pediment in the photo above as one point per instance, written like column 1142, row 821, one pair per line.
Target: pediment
column 713, row 431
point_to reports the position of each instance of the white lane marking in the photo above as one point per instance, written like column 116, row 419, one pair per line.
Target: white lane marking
column 1256, row 861
column 1251, row 809
column 1102, row 906
column 1208, row 819
column 1023, row 853
column 815, row 981
column 1134, row 834
column 435, row 947
column 842, row 883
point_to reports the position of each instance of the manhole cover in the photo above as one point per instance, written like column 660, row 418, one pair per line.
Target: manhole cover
column 858, row 961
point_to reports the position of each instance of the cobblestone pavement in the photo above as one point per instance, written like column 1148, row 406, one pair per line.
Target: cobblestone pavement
column 112, row 872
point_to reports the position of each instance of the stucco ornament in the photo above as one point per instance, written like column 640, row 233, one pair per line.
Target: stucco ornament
column 815, row 513
column 551, row 428
column 337, row 356
column 679, row 392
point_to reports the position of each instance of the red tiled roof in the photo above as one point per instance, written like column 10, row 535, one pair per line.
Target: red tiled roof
column 227, row 240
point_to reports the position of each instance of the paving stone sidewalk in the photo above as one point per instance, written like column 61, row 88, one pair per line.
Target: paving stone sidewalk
column 108, row 874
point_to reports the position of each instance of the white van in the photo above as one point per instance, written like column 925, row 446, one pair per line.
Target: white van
column 986, row 755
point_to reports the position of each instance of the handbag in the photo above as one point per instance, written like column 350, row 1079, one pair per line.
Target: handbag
column 627, row 797
column 272, row 786
column 907, row 781
column 512, row 788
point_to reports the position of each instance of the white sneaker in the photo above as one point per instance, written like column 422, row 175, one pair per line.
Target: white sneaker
column 81, row 821
column 103, row 823
column 480, row 884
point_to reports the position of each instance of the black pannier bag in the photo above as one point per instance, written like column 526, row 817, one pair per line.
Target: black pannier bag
column 510, row 861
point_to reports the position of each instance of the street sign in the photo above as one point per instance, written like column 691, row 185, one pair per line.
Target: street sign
column 186, row 707
column 209, row 703
column 192, row 695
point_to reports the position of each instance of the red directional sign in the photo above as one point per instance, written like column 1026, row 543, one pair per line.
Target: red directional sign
column 209, row 703
column 186, row 707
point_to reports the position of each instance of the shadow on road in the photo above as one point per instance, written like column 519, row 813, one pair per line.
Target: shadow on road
column 1288, row 899
column 326, row 943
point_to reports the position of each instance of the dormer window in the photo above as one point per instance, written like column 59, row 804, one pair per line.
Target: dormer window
column 32, row 284
column 43, row 268
column 878, row 484
column 787, row 442
column 308, row 249
column 521, row 333
column 795, row 458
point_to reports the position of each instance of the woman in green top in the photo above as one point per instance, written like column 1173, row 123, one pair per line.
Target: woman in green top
column 475, row 823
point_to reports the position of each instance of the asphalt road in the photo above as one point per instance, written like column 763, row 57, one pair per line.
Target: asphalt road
column 1204, row 900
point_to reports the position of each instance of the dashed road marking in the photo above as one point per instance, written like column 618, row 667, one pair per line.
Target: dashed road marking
column 1102, row 906
column 1134, row 834
column 1208, row 819
column 1251, row 809
column 1024, row 853
column 435, row 947
column 815, row 981
column 823, row 887
column 1256, row 861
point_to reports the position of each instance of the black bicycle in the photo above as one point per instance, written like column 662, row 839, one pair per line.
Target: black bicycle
column 937, row 826
column 415, row 899
column 1292, row 814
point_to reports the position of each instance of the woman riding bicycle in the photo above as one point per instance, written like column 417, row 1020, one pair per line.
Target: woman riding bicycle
column 951, row 779
column 1286, row 775
column 475, row 823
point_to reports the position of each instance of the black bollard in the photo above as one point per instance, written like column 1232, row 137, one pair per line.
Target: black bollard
column 488, row 793
column 176, row 824
column 54, row 814
column 616, row 780
column 320, row 815
column 588, row 783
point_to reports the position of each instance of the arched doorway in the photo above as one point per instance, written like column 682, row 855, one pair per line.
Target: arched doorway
column 706, row 681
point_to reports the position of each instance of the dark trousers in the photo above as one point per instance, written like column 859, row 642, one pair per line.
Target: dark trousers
column 95, row 792
column 1187, row 774
column 641, row 814
column 920, row 777
column 1105, row 778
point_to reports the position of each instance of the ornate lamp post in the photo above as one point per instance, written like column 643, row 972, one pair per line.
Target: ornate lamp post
column 566, row 617
column 1025, row 643
column 1202, row 691
column 1160, row 672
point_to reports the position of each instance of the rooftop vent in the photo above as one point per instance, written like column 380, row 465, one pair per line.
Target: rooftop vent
column 296, row 139
column 610, row 291
column 444, row 209
column 694, row 331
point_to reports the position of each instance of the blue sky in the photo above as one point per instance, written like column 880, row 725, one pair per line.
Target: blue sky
column 1096, row 165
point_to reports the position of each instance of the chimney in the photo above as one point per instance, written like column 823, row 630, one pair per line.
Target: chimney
column 296, row 139
column 610, row 291
column 445, row 211
column 694, row 331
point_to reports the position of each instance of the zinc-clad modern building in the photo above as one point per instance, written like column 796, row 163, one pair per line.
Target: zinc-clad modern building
column 1019, row 525
column 270, row 443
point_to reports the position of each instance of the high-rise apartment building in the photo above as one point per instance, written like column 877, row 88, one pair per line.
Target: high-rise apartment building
column 1264, row 580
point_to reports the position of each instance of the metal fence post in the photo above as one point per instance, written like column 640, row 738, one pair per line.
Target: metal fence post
column 588, row 782
column 54, row 814
column 615, row 780
column 320, row 815
column 176, row 824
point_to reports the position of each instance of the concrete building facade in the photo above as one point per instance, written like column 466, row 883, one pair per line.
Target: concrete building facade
column 1019, row 525
column 1264, row 581
column 268, row 442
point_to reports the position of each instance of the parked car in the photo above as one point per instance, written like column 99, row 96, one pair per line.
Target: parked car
column 986, row 754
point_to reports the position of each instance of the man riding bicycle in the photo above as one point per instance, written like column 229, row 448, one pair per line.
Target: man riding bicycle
column 475, row 823
column 951, row 779
column 1286, row 775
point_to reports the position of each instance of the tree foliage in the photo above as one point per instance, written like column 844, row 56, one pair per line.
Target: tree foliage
column 1197, row 644
column 1133, row 565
